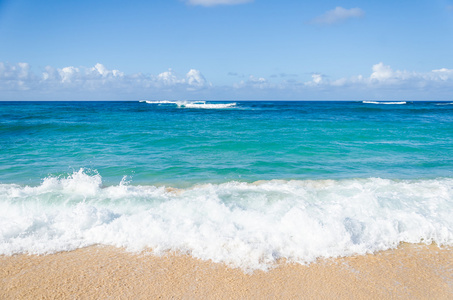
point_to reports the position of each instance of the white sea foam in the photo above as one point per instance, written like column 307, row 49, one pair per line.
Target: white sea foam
column 205, row 105
column 195, row 104
column 384, row 102
column 246, row 225
column 161, row 102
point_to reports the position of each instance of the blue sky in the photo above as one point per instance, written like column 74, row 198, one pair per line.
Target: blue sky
column 226, row 50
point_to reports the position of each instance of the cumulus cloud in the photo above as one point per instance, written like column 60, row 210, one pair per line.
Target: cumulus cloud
column 381, row 72
column 382, row 80
column 443, row 74
column 316, row 79
column 195, row 79
column 216, row 2
column 67, row 74
column 15, row 77
column 169, row 78
column 96, row 79
column 254, row 82
column 104, row 72
column 80, row 76
column 18, row 81
column 337, row 15
column 384, row 76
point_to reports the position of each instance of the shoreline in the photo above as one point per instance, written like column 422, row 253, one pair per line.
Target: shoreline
column 414, row 271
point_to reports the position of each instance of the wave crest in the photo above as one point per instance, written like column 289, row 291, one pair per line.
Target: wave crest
column 246, row 225
column 195, row 104
column 385, row 102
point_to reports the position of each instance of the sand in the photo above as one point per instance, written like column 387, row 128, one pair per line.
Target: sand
column 409, row 272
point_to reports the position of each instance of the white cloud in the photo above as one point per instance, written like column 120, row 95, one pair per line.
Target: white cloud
column 381, row 72
column 216, row 2
column 72, row 75
column 443, row 74
column 96, row 80
column 16, row 77
column 337, row 15
column 23, row 70
column 169, row 78
column 100, row 69
column 67, row 74
column 19, row 71
column 18, row 81
column 195, row 79
column 383, row 76
column 317, row 78
column 254, row 83
column 383, row 82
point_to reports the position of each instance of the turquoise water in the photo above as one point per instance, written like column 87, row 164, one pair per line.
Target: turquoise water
column 178, row 146
column 244, row 183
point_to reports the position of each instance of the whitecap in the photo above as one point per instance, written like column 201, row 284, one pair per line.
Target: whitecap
column 245, row 225
column 195, row 104
column 384, row 102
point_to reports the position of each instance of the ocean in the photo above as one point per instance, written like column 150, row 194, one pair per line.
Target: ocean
column 239, row 182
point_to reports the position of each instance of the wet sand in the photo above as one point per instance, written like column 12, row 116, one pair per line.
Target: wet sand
column 409, row 272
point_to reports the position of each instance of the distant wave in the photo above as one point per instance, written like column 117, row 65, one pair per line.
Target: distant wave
column 194, row 104
column 207, row 105
column 246, row 225
column 384, row 102
column 444, row 103
column 161, row 102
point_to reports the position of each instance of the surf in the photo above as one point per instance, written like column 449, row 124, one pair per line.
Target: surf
column 249, row 225
column 194, row 104
column 385, row 102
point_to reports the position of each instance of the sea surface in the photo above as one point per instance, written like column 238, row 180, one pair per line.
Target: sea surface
column 243, row 183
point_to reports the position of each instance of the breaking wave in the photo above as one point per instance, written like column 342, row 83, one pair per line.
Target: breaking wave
column 384, row 102
column 246, row 225
column 194, row 104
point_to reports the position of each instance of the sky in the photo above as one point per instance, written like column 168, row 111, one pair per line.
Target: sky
column 226, row 50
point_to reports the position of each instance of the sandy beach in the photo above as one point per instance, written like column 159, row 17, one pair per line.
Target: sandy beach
column 409, row 272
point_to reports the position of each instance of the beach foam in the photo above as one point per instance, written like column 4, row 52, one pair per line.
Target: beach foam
column 247, row 225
